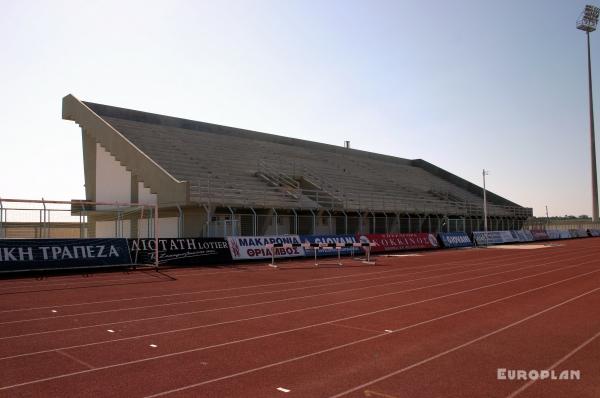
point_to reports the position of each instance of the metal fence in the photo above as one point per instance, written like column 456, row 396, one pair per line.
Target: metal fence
column 40, row 219
column 329, row 224
column 220, row 194
column 43, row 219
column 561, row 224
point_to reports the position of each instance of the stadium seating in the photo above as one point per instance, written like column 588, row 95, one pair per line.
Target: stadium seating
column 231, row 167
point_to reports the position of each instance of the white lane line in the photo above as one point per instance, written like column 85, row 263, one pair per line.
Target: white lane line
column 54, row 312
column 54, row 280
column 388, row 331
column 362, row 386
column 279, row 291
column 79, row 361
column 283, row 389
column 468, row 343
column 110, row 330
column 57, row 286
column 303, row 328
column 153, row 345
column 554, row 365
column 264, row 293
column 302, row 309
column 307, row 308
column 474, row 264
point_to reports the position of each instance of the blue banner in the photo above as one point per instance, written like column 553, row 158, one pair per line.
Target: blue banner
column 48, row 254
column 455, row 239
column 331, row 239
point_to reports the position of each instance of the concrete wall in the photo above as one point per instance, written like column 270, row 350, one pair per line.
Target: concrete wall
column 113, row 181
column 144, row 195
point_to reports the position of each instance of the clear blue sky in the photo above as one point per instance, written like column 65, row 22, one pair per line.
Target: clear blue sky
column 465, row 85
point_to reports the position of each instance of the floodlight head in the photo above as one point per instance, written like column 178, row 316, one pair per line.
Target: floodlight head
column 588, row 19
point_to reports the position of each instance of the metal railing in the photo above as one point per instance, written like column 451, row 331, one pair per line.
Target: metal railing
column 328, row 223
column 215, row 194
column 38, row 219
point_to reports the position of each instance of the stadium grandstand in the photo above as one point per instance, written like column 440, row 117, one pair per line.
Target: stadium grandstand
column 211, row 180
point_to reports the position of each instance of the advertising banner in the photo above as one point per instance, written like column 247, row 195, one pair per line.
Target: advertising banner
column 181, row 251
column 455, row 239
column 528, row 235
column 517, row 236
column 493, row 238
column 397, row 242
column 539, row 234
column 594, row 232
column 564, row 234
column 47, row 254
column 330, row 239
column 553, row 234
column 583, row 233
column 578, row 233
column 254, row 247
column 507, row 237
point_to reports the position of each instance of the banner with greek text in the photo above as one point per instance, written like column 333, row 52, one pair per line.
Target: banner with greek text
column 48, row 254
column 397, row 242
column 255, row 247
column 330, row 239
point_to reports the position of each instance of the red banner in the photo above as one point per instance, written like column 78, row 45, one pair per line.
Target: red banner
column 396, row 242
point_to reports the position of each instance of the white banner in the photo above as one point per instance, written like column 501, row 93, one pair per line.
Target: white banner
column 255, row 247
column 493, row 237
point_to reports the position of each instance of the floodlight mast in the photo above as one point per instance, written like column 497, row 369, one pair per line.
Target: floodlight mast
column 485, row 224
column 587, row 22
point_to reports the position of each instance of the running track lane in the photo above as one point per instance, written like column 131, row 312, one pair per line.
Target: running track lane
column 462, row 362
column 471, row 370
column 342, row 333
column 11, row 345
column 68, row 293
column 242, row 296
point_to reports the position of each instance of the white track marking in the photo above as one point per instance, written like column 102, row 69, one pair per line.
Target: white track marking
column 303, row 327
column 555, row 364
column 307, row 327
column 153, row 345
column 258, row 294
column 79, row 361
column 471, row 269
column 468, row 343
column 432, row 266
column 286, row 312
column 283, row 389
column 362, row 386
column 65, row 285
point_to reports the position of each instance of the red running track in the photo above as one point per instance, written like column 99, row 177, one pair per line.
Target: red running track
column 439, row 324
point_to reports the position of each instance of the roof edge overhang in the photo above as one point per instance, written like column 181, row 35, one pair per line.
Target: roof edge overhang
column 168, row 188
